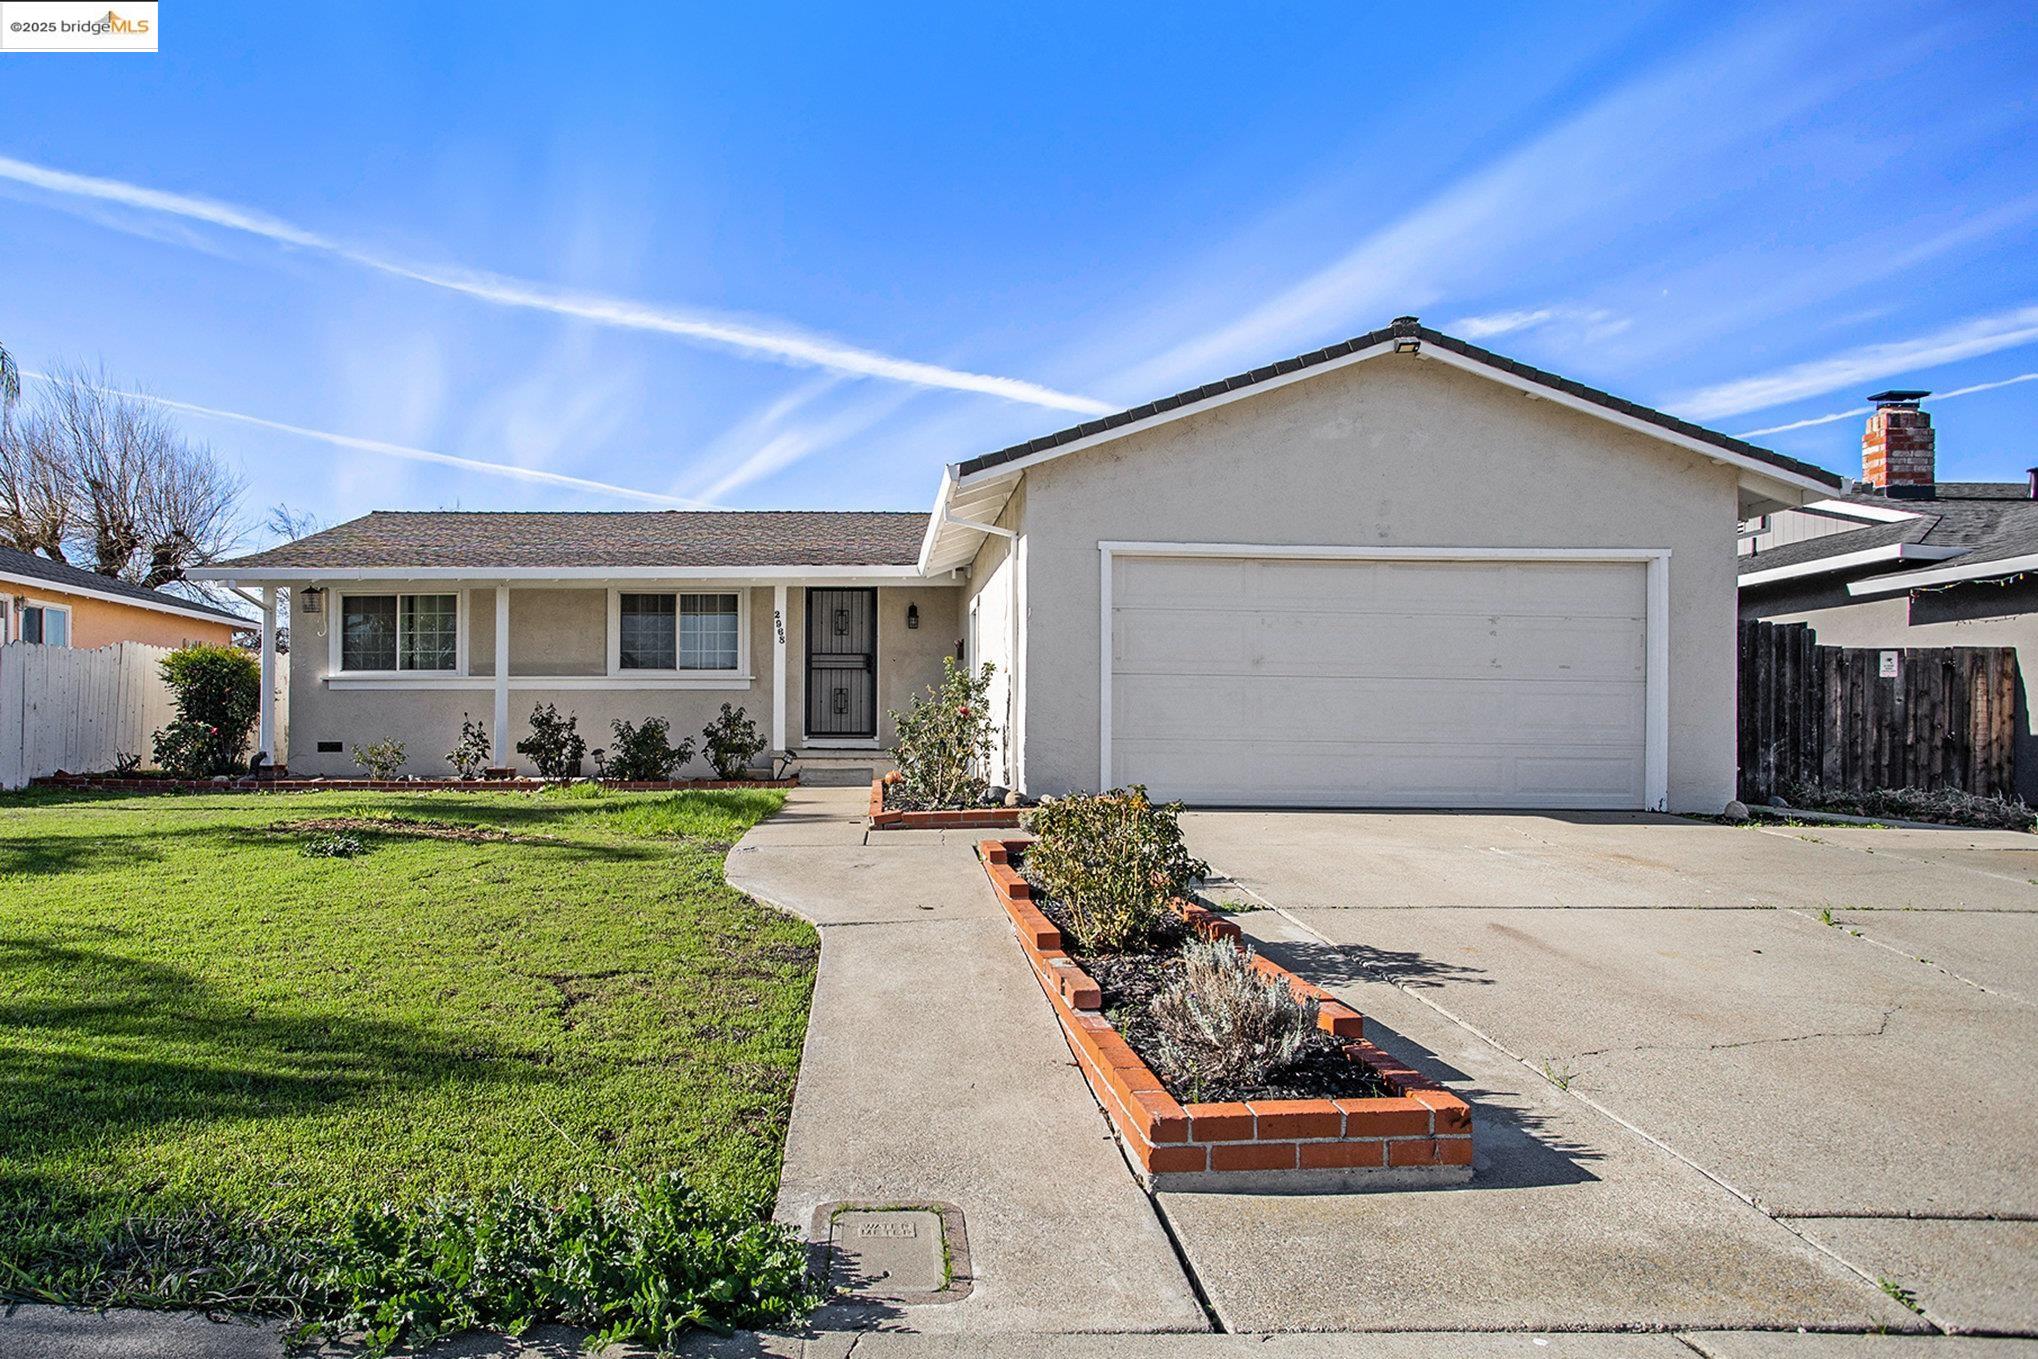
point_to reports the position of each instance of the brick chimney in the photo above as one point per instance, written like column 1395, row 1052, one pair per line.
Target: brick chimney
column 1897, row 450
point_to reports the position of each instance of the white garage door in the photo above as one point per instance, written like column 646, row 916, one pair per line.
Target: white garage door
column 1379, row 683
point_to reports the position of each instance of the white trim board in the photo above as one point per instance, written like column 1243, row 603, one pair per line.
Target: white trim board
column 1848, row 509
column 1847, row 561
column 1656, row 667
column 720, row 681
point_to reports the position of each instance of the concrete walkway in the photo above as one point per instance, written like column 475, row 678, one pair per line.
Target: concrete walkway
column 934, row 1070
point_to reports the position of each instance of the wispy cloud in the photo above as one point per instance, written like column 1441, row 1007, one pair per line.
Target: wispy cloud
column 409, row 453
column 1860, row 411
column 783, row 432
column 1597, row 321
column 777, row 342
column 1528, row 204
column 1866, row 363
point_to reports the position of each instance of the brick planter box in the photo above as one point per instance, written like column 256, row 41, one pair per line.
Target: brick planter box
column 1421, row 1135
column 245, row 784
column 974, row 818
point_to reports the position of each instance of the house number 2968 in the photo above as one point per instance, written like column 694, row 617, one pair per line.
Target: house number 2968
column 778, row 624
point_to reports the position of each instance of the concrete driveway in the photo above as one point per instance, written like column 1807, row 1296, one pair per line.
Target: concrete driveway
column 1725, row 1077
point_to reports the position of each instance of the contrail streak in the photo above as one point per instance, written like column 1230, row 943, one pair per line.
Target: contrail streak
column 783, row 345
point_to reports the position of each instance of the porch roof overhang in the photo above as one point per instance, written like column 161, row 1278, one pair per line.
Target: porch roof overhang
column 570, row 575
column 974, row 492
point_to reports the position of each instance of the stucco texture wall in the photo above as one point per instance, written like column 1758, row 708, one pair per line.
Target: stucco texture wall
column 100, row 622
column 1395, row 451
column 1981, row 614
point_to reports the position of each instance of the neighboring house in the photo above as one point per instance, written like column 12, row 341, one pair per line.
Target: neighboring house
column 61, row 605
column 1906, row 560
column 1398, row 571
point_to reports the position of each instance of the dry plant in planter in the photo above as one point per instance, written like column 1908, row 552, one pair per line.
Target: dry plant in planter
column 1223, row 1022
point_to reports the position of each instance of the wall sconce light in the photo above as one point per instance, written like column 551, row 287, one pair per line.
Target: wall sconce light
column 314, row 598
column 912, row 616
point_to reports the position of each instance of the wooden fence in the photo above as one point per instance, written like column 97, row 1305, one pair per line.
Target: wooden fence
column 1839, row 717
column 81, row 710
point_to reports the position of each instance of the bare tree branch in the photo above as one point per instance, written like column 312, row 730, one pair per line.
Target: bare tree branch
column 36, row 500
column 102, row 471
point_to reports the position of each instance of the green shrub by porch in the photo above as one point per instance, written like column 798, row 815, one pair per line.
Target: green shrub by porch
column 217, row 692
column 945, row 740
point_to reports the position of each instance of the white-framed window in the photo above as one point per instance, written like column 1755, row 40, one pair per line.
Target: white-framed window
column 49, row 624
column 695, row 632
column 400, row 632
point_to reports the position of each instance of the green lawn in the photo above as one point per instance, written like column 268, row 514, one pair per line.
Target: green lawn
column 196, row 1016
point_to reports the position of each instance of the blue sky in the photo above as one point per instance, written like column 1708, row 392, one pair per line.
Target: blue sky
column 758, row 257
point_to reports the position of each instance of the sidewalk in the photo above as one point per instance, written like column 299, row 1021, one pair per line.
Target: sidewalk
column 934, row 1071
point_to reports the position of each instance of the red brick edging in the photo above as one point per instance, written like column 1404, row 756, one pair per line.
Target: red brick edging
column 88, row 783
column 975, row 818
column 1420, row 1135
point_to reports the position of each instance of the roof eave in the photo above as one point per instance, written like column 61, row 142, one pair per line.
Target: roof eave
column 1847, row 561
column 253, row 573
column 1762, row 478
column 1945, row 575
column 182, row 610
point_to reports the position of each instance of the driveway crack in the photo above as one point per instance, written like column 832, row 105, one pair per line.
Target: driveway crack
column 1881, row 1029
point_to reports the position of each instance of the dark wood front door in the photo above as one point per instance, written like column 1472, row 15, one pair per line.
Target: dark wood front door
column 841, row 664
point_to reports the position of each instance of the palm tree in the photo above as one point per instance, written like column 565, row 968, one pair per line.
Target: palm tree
column 10, row 379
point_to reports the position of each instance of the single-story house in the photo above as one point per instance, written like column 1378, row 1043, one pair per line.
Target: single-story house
column 1398, row 571
column 58, row 604
column 1906, row 560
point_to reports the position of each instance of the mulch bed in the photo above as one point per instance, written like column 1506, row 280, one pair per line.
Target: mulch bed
column 1130, row 981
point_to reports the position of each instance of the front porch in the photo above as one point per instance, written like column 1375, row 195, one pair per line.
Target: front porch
column 817, row 661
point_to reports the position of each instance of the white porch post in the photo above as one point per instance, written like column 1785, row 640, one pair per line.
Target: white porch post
column 498, row 731
column 778, row 627
column 265, row 733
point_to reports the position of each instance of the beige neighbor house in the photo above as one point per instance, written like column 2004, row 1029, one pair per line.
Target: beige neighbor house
column 1400, row 571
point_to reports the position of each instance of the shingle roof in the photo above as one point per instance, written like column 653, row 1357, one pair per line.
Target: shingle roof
column 644, row 538
column 1401, row 329
column 1991, row 519
column 62, row 575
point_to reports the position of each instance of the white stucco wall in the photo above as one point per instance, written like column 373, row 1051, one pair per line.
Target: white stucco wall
column 1395, row 451
column 993, row 585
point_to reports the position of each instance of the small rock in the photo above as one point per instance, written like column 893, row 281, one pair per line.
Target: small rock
column 1012, row 799
column 1737, row 810
column 1778, row 801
